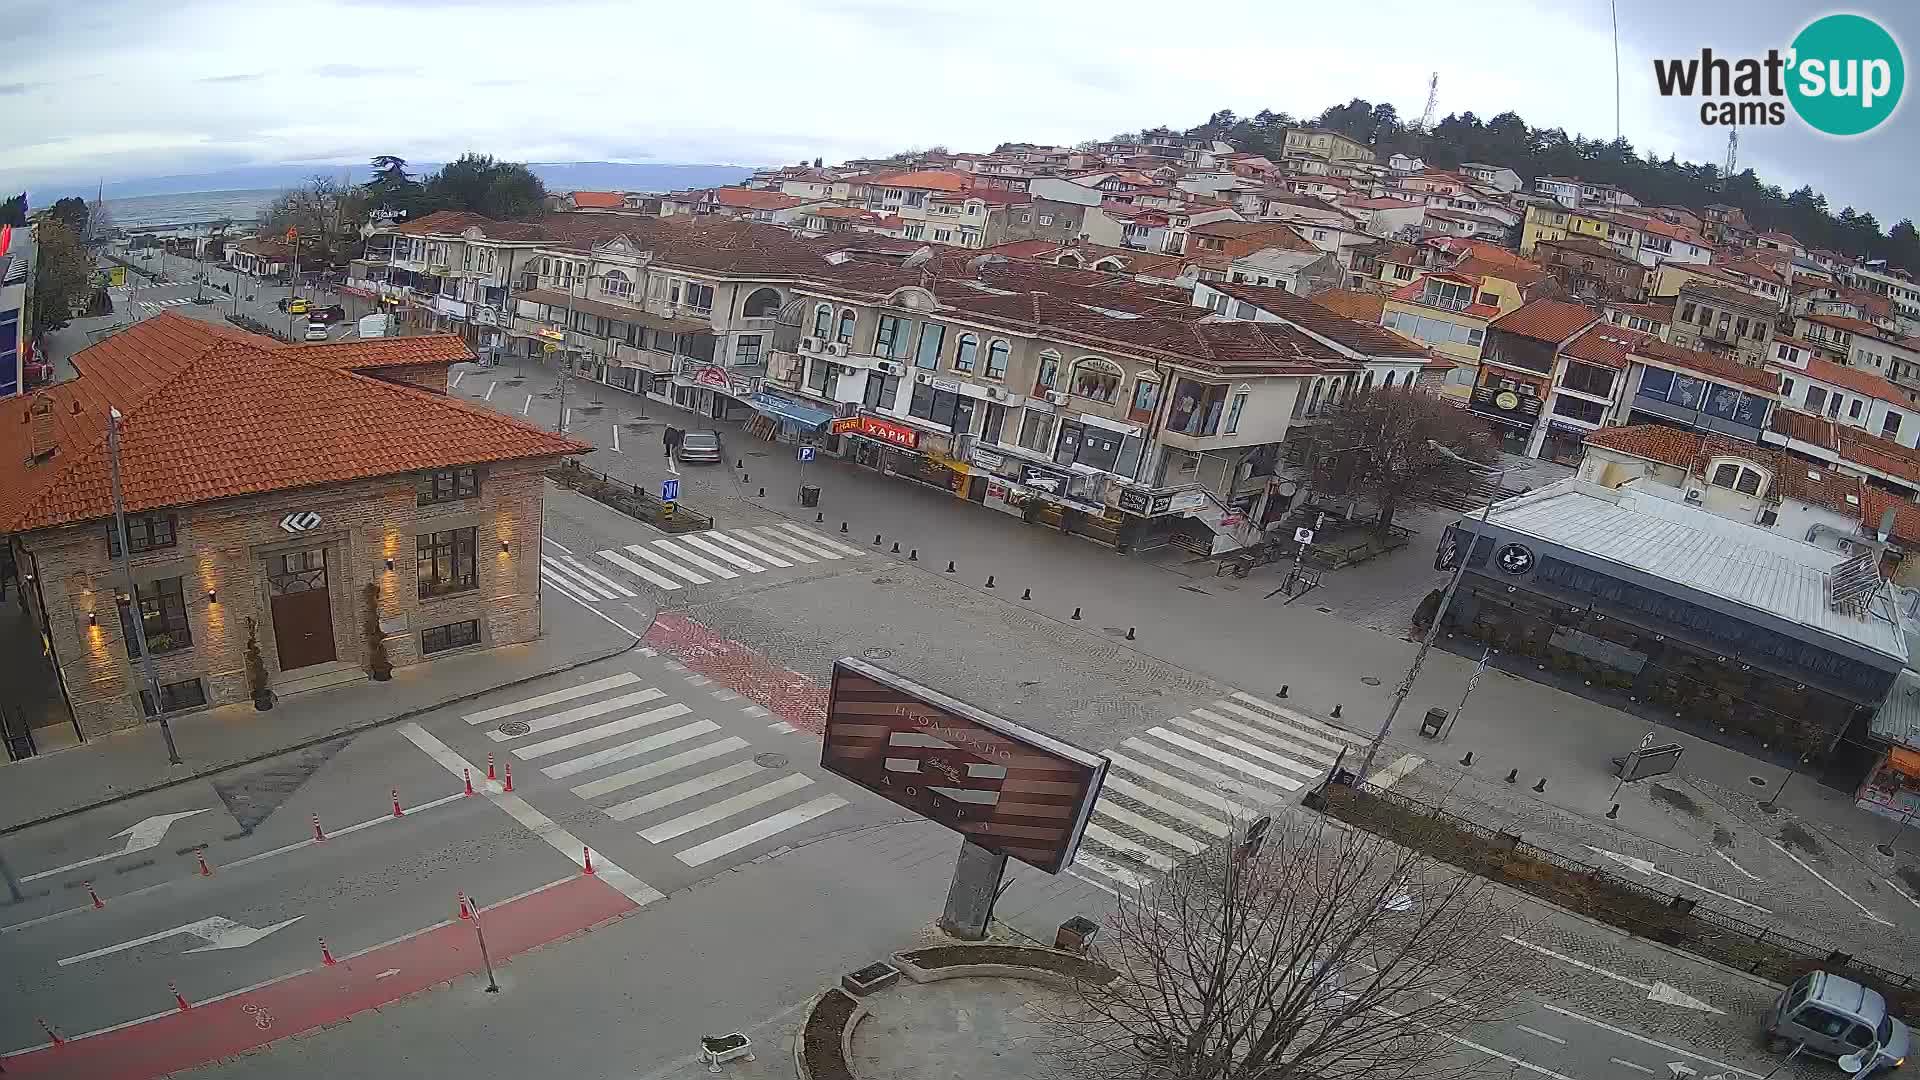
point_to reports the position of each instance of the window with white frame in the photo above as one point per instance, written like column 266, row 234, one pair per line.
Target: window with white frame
column 822, row 321
column 964, row 352
column 997, row 360
column 1046, row 219
column 941, row 236
column 615, row 283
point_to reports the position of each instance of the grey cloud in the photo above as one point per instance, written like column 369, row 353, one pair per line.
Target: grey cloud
column 9, row 89
column 250, row 76
column 358, row 71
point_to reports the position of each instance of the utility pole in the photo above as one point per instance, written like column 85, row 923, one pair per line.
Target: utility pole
column 1440, row 613
column 133, row 592
column 566, row 359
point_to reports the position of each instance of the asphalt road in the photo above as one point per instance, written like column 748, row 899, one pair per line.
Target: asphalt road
column 180, row 292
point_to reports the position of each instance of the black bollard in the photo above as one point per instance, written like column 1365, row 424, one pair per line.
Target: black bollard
column 1129, row 633
column 763, row 493
column 746, row 478
column 1468, row 760
column 1076, row 613
column 1283, row 690
column 989, row 581
column 876, row 539
column 1542, row 785
column 912, row 555
column 896, row 547
column 843, row 527
column 1336, row 710
column 1614, row 814
column 1512, row 775
column 739, row 463
column 1026, row 594
column 820, row 517
column 949, row 566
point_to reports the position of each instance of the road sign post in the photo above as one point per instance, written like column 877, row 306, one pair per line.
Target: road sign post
column 805, row 455
column 669, row 490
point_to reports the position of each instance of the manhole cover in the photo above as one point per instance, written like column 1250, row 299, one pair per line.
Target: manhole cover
column 878, row 654
column 1756, row 781
column 1324, row 610
column 1370, row 680
column 513, row 728
column 770, row 761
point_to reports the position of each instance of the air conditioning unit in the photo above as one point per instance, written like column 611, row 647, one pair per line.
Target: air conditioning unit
column 836, row 348
column 996, row 393
column 1694, row 494
column 1057, row 397
column 889, row 367
column 922, row 377
column 809, row 344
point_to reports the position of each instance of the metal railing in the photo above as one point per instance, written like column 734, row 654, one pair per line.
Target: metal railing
column 1680, row 921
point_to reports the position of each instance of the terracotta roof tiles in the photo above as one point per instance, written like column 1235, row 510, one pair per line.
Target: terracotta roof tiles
column 1545, row 320
column 1654, row 442
column 1605, row 344
column 1707, row 363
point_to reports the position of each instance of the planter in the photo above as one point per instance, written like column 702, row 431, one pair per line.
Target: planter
column 381, row 674
column 820, row 1053
column 263, row 700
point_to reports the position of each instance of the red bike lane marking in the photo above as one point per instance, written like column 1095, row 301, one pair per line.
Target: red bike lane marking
column 326, row 995
column 788, row 694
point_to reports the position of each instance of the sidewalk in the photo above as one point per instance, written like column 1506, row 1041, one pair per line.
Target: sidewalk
column 132, row 762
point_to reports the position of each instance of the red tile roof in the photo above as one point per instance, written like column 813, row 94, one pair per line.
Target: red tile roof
column 1858, row 447
column 932, row 179
column 360, row 355
column 754, row 199
column 1906, row 514
column 1707, row 363
column 1654, row 442
column 1855, row 379
column 599, row 200
column 1605, row 344
column 1552, row 321
column 1353, row 303
column 1368, row 338
column 1852, row 326
column 212, row 413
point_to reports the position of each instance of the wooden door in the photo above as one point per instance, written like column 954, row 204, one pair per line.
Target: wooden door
column 302, row 611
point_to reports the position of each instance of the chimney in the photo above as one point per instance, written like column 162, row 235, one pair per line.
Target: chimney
column 40, row 437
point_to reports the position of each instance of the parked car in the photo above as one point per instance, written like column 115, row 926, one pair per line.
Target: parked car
column 1837, row 1018
column 701, row 446
column 316, row 331
column 331, row 314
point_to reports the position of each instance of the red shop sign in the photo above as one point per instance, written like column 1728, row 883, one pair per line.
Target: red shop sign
column 897, row 434
column 711, row 376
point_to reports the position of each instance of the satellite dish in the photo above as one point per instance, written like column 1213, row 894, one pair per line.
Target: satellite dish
column 919, row 258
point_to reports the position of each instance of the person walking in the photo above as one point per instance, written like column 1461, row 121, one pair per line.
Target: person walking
column 670, row 439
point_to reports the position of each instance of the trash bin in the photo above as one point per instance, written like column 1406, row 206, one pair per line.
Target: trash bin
column 809, row 495
column 1076, row 934
column 1434, row 721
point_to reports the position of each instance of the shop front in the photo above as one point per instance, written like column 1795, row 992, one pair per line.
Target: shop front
column 1513, row 405
column 711, row 390
column 1565, row 444
column 788, row 419
column 1892, row 789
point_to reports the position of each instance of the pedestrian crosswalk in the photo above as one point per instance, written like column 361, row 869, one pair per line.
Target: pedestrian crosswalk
column 1185, row 784
column 156, row 305
column 679, row 780
column 700, row 558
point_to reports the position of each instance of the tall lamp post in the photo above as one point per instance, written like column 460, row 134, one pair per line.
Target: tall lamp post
column 133, row 594
column 1446, row 599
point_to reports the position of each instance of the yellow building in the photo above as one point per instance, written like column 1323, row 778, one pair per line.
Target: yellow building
column 1558, row 223
column 1671, row 277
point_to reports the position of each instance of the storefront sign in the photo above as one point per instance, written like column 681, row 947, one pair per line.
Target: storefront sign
column 842, row 425
column 742, row 385
column 1134, row 501
column 711, row 376
column 989, row 460
column 898, row 434
column 952, row 386
column 1515, row 559
column 1181, row 502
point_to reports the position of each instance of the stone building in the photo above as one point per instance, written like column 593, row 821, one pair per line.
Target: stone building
column 316, row 497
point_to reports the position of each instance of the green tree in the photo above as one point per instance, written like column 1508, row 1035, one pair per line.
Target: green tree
column 71, row 212
column 63, row 275
column 502, row 190
column 14, row 210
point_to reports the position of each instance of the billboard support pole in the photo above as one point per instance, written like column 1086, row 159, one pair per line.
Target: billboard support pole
column 976, row 885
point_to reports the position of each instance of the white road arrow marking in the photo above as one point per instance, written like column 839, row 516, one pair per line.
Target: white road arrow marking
column 218, row 931
column 1864, row 910
column 1645, row 866
column 141, row 836
column 1656, row 990
column 1680, row 1068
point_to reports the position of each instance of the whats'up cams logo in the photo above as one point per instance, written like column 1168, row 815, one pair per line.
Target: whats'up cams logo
column 1843, row 75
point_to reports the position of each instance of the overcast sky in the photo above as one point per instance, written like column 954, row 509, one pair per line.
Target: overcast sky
column 129, row 88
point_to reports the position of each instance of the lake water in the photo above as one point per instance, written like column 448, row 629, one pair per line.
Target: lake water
column 147, row 211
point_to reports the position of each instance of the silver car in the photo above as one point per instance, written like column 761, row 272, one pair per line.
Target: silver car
column 1838, row 1018
column 703, row 446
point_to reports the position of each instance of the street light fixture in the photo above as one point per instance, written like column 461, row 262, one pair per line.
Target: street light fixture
column 1446, row 600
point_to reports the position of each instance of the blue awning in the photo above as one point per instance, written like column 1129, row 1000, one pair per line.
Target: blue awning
column 792, row 412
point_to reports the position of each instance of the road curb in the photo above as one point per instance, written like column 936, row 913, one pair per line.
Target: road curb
column 337, row 733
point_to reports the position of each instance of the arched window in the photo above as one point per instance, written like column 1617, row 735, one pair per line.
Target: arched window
column 964, row 352
column 1313, row 399
column 1096, row 379
column 845, row 336
column 822, row 321
column 997, row 360
column 1068, row 259
column 615, row 283
column 1047, row 376
column 1388, row 384
column 1366, row 383
column 761, row 304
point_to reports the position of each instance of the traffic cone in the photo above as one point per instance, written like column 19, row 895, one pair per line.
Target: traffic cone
column 94, row 895
column 326, row 954
column 178, row 999
column 586, row 857
column 467, row 774
column 319, row 837
column 509, row 784
column 466, row 914
column 397, row 812
column 205, row 870
column 489, row 764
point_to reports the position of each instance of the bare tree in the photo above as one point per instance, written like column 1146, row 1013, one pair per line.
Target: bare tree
column 326, row 212
column 1325, row 953
column 1376, row 446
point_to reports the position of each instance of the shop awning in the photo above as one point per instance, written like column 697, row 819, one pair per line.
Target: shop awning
column 792, row 412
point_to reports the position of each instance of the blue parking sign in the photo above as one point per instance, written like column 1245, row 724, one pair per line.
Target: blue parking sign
column 806, row 453
column 669, row 490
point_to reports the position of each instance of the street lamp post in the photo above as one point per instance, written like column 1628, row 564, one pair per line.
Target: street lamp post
column 133, row 595
column 1446, row 599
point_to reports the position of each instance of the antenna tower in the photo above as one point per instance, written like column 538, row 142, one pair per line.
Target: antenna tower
column 1433, row 102
column 1733, row 156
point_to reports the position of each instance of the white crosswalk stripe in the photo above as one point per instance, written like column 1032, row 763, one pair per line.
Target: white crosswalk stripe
column 718, row 552
column 637, row 570
column 750, row 551
column 1179, row 787
column 553, row 569
column 708, row 798
column 773, row 544
column 668, row 565
column 681, row 553
column 595, row 575
column 559, row 585
column 817, row 540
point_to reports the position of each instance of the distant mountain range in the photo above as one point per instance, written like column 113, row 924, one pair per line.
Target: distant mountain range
column 558, row 176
